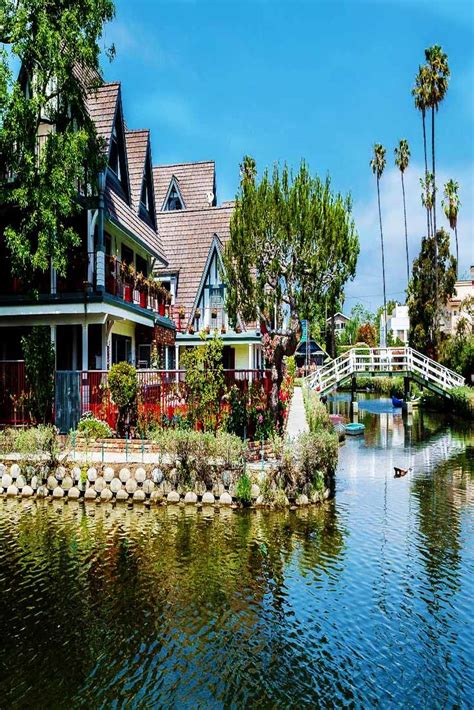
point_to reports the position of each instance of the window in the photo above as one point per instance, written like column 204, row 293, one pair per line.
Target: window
column 121, row 348
column 142, row 265
column 127, row 254
column 216, row 296
column 174, row 200
column 114, row 161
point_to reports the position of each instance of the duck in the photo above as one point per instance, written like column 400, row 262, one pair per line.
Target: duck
column 400, row 472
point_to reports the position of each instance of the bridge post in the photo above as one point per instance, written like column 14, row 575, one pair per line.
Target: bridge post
column 406, row 384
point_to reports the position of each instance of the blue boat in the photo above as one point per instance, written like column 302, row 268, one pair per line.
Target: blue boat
column 397, row 402
column 354, row 429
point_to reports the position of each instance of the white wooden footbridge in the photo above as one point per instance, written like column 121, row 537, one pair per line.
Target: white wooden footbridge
column 373, row 362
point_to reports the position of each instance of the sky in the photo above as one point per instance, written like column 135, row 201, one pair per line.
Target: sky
column 286, row 80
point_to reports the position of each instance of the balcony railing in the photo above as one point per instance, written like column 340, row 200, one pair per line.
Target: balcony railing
column 209, row 319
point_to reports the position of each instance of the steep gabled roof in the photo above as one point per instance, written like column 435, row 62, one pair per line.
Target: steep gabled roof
column 137, row 149
column 196, row 183
column 102, row 107
column 187, row 236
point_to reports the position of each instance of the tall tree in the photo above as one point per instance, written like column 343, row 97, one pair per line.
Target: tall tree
column 377, row 164
column 402, row 159
column 292, row 239
column 422, row 299
column 48, row 143
column 436, row 77
column 451, row 206
column 420, row 94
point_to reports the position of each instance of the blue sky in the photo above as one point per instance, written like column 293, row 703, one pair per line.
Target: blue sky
column 317, row 80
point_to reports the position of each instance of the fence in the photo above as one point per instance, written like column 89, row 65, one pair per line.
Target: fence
column 162, row 393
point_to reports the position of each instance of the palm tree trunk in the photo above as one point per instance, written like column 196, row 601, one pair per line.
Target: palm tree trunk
column 383, row 267
column 423, row 117
column 435, row 236
column 433, row 168
column 406, row 230
column 457, row 250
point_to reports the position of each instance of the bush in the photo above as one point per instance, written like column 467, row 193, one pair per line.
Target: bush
column 461, row 402
column 243, row 489
column 39, row 370
column 316, row 413
column 42, row 439
column 123, row 387
column 92, row 428
column 317, row 454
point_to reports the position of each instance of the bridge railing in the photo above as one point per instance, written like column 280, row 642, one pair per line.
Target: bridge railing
column 383, row 361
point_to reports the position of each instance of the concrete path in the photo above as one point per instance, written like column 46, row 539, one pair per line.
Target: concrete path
column 296, row 423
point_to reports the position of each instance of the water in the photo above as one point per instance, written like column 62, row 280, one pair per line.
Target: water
column 365, row 602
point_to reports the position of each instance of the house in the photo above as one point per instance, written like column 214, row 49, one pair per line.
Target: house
column 398, row 323
column 312, row 352
column 340, row 322
column 194, row 229
column 460, row 305
column 102, row 310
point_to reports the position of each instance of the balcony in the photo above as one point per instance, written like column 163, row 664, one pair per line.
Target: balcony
column 209, row 319
column 124, row 283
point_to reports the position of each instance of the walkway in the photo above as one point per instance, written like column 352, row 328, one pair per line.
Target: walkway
column 296, row 423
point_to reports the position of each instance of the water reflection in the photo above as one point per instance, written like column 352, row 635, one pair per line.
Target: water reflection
column 365, row 601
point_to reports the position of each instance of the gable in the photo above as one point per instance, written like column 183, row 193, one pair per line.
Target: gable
column 140, row 171
column 117, row 162
column 196, row 182
column 174, row 199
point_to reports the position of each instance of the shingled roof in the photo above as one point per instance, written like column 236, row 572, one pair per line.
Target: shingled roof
column 137, row 146
column 102, row 104
column 187, row 237
column 196, row 181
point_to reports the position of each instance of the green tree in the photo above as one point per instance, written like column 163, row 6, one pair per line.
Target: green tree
column 402, row 158
column 377, row 164
column 123, row 385
column 48, row 143
column 292, row 242
column 204, row 382
column 422, row 296
column 39, row 355
column 451, row 205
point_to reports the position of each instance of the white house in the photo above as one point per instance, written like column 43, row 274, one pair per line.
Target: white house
column 398, row 323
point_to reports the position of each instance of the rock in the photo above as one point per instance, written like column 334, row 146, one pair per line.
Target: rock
column 316, row 497
column 7, row 480
column 225, row 498
column 124, row 475
column 51, row 483
column 15, row 470
column 218, row 489
column 173, row 475
column 208, row 498
column 76, row 473
column 148, row 486
column 190, row 497
column 3, row 469
column 122, row 494
column 12, row 490
column 34, row 483
column 90, row 494
column 327, row 494
column 99, row 484
column 255, row 491
column 157, row 475
column 139, row 496
column 156, row 496
column 259, row 501
column 58, row 492
column 200, row 488
column 302, row 499
column 173, row 497
column 20, row 481
column 166, row 487
column 108, row 474
column 26, row 491
column 91, row 474
column 73, row 493
column 42, row 492
column 131, row 485
column 140, row 475
column 227, row 478
column 67, row 483
column 115, row 485
column 60, row 473
column 106, row 494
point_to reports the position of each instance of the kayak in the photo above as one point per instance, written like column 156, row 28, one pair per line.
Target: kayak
column 397, row 402
column 354, row 429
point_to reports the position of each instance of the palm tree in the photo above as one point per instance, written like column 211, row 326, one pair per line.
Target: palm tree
column 377, row 164
column 421, row 103
column 437, row 76
column 402, row 158
column 451, row 210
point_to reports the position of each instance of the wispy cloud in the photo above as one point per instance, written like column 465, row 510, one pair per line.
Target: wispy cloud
column 367, row 285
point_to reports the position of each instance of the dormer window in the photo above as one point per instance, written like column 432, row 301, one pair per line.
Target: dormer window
column 174, row 199
column 146, row 195
column 114, row 161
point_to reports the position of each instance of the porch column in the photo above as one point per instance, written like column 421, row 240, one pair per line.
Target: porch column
column 103, row 349
column 85, row 346
column 250, row 361
column 53, row 343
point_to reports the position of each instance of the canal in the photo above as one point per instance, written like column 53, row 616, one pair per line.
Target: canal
column 366, row 601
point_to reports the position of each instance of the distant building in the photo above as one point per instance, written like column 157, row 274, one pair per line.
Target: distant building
column 317, row 355
column 340, row 322
column 398, row 323
column 456, row 308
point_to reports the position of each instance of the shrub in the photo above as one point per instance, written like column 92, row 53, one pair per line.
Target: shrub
column 243, row 489
column 461, row 402
column 90, row 427
column 123, row 387
column 237, row 420
column 204, row 382
column 317, row 454
column 39, row 370
column 316, row 413
column 43, row 439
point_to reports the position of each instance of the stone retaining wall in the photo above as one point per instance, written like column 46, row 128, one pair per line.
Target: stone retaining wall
column 134, row 484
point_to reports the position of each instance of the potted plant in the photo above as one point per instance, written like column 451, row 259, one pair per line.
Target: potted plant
column 238, row 328
column 162, row 296
column 125, row 276
column 142, row 285
column 181, row 312
column 208, row 329
column 223, row 329
column 191, row 330
column 213, row 312
column 197, row 313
